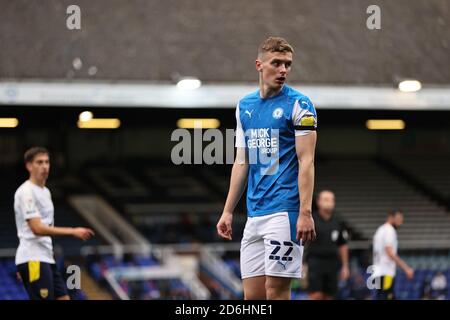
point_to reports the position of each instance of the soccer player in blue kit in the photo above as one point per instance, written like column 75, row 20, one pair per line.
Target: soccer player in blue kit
column 275, row 141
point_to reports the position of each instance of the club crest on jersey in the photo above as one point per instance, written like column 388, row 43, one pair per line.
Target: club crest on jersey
column 277, row 113
column 43, row 293
column 334, row 235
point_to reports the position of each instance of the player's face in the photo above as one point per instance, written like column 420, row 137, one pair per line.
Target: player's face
column 326, row 201
column 274, row 68
column 398, row 220
column 40, row 166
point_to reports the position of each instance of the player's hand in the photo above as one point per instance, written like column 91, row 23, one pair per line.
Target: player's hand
column 345, row 273
column 83, row 233
column 224, row 226
column 305, row 228
column 409, row 273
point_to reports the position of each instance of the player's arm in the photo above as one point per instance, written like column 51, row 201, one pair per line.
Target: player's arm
column 238, row 179
column 305, row 146
column 343, row 254
column 29, row 210
column 399, row 262
column 41, row 229
column 342, row 242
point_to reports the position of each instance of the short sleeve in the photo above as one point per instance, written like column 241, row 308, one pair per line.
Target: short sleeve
column 343, row 235
column 27, row 205
column 304, row 117
column 390, row 237
column 240, row 138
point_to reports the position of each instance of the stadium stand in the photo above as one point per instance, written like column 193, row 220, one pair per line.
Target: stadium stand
column 171, row 209
column 99, row 265
column 10, row 286
column 365, row 191
column 432, row 172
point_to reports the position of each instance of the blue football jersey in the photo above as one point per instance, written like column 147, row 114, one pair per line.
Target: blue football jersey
column 267, row 129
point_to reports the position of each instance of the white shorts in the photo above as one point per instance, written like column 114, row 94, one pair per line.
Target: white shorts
column 269, row 247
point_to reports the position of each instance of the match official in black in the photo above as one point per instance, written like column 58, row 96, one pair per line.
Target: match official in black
column 329, row 253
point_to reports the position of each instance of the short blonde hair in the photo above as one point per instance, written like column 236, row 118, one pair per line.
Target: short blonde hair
column 275, row 44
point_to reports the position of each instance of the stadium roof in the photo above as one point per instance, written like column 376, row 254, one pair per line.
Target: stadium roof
column 158, row 40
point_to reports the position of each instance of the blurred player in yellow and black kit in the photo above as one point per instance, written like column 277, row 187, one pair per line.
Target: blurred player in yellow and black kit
column 330, row 250
column 34, row 212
